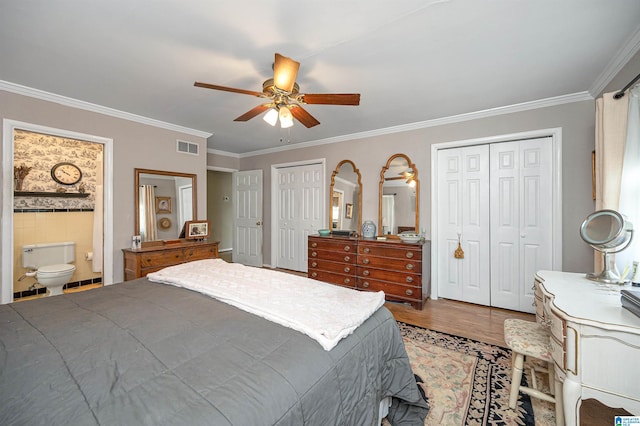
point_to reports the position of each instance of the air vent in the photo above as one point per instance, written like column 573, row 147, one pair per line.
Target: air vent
column 187, row 147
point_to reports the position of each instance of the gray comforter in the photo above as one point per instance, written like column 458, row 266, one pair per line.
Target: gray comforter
column 142, row 353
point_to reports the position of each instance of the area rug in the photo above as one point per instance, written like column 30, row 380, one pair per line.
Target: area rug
column 467, row 382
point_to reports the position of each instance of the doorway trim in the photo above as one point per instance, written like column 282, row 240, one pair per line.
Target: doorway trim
column 274, row 199
column 556, row 141
column 7, row 261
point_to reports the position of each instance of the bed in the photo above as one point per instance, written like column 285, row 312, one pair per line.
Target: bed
column 147, row 353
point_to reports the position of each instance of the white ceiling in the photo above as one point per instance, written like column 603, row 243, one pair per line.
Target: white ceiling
column 411, row 60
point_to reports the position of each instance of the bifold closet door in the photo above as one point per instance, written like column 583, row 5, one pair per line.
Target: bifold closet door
column 463, row 217
column 521, row 219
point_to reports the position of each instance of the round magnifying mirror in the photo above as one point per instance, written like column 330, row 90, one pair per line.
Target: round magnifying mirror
column 608, row 232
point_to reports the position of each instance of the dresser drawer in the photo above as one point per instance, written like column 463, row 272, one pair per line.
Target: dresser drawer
column 199, row 253
column 390, row 289
column 558, row 353
column 163, row 258
column 414, row 253
column 336, row 256
column 397, row 265
column 333, row 278
column 392, row 276
column 325, row 265
column 342, row 246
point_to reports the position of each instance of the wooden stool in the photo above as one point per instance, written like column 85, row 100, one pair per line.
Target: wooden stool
column 530, row 339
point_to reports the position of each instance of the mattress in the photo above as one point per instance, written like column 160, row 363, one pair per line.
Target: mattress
column 142, row 353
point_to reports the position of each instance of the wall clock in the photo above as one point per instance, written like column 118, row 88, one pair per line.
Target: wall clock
column 66, row 173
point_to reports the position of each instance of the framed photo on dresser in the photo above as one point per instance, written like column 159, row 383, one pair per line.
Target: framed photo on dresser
column 197, row 229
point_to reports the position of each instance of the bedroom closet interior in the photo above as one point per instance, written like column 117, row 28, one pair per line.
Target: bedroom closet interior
column 495, row 221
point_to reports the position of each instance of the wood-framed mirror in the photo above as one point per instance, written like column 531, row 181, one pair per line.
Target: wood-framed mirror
column 399, row 197
column 345, row 198
column 163, row 202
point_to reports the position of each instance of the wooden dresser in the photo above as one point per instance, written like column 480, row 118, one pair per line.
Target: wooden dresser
column 140, row 262
column 392, row 266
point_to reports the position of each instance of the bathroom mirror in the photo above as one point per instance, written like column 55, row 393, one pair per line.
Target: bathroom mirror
column 163, row 201
column 608, row 232
column 399, row 197
column 345, row 203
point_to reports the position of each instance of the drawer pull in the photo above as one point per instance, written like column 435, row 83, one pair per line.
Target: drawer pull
column 314, row 274
column 365, row 261
column 314, row 244
column 347, row 280
column 347, row 269
column 409, row 279
column 409, row 254
column 365, row 272
column 365, row 284
column 347, row 258
column 410, row 266
column 409, row 292
column 347, row 248
column 314, row 254
column 366, row 250
column 314, row 264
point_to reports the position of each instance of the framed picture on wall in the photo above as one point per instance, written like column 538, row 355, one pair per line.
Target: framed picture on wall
column 163, row 204
column 197, row 229
column 348, row 211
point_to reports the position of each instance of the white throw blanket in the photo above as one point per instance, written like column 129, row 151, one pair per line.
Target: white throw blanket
column 324, row 312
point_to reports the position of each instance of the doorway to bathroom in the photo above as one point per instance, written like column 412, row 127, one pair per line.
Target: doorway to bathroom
column 50, row 206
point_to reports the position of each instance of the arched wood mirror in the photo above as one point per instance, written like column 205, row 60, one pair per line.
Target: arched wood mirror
column 399, row 197
column 345, row 202
column 163, row 201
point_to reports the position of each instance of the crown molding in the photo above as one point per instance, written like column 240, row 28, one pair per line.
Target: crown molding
column 492, row 112
column 87, row 106
column 622, row 57
column 224, row 153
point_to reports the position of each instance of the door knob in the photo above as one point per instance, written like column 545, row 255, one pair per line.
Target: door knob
column 258, row 223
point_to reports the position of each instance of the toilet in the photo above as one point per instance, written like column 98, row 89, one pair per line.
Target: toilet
column 51, row 263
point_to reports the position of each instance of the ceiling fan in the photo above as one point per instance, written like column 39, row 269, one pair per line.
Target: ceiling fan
column 285, row 100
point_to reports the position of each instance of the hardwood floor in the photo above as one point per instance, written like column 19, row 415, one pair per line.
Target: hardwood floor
column 485, row 324
column 482, row 323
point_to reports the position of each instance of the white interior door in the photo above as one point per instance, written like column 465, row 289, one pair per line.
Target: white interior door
column 463, row 217
column 247, row 211
column 521, row 219
column 300, row 198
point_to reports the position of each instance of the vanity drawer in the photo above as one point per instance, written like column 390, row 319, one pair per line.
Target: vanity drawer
column 325, row 265
column 558, row 353
column 163, row 258
column 390, row 289
column 333, row 278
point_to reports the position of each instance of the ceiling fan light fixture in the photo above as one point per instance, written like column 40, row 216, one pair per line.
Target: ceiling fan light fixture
column 286, row 118
column 271, row 116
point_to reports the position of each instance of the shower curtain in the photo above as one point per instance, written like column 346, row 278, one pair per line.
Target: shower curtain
column 148, row 229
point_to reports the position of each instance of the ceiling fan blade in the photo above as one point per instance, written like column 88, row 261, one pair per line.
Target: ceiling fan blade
column 253, row 112
column 285, row 71
column 303, row 116
column 229, row 89
column 331, row 98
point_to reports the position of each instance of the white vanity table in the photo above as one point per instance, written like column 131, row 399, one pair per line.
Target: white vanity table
column 595, row 341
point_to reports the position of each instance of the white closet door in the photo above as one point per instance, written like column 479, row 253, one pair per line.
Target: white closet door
column 300, row 207
column 247, row 211
column 463, row 211
column 521, row 219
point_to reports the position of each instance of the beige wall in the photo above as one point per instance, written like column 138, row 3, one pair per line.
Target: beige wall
column 370, row 155
column 134, row 145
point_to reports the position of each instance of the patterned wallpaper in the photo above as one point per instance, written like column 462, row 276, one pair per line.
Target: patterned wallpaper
column 41, row 152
